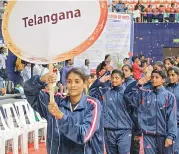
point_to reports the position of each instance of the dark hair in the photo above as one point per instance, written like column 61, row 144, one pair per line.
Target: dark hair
column 121, row 74
column 100, row 67
column 79, row 72
column 141, row 56
column 106, row 56
column 2, row 50
column 66, row 61
column 44, row 65
column 125, row 59
column 162, row 73
column 103, row 64
column 136, row 7
column 173, row 68
column 134, row 58
column 170, row 59
column 5, row 2
column 24, row 62
column 129, row 67
column 159, row 63
column 92, row 75
column 86, row 61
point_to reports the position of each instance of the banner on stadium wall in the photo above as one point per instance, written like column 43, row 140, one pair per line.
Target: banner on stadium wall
column 116, row 39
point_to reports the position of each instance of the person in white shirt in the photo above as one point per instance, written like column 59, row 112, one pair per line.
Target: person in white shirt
column 26, row 72
column 136, row 13
column 86, row 68
column 37, row 69
column 3, row 58
column 45, row 70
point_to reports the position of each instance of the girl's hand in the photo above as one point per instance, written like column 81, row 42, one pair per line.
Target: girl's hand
column 49, row 78
column 54, row 110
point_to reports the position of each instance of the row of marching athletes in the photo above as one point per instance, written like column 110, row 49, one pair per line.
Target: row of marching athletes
column 76, row 122
column 145, row 106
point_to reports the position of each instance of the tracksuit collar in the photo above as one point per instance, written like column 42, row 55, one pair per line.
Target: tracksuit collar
column 81, row 105
column 118, row 88
column 157, row 90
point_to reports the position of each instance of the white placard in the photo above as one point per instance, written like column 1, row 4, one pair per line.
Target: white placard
column 51, row 31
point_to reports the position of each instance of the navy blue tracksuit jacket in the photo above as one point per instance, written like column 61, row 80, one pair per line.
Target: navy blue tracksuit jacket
column 78, row 132
column 156, row 110
column 174, row 88
column 128, row 81
column 156, row 115
column 117, row 122
column 114, row 110
column 98, row 89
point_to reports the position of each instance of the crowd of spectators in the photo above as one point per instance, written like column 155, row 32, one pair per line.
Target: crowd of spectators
column 147, row 12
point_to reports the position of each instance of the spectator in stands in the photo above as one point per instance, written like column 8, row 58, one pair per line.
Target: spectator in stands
column 120, row 7
column 86, row 68
column 136, row 13
column 161, row 13
column 148, row 10
column 75, row 121
column 142, row 9
column 141, row 6
column 65, row 69
column 155, row 12
column 172, row 13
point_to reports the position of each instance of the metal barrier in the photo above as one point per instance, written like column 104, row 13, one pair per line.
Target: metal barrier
column 156, row 17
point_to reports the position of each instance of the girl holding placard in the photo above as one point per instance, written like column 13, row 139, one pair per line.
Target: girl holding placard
column 74, row 122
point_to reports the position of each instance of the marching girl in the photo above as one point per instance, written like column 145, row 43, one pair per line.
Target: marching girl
column 102, row 73
column 117, row 123
column 173, row 87
column 156, row 118
column 128, row 72
column 74, row 122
